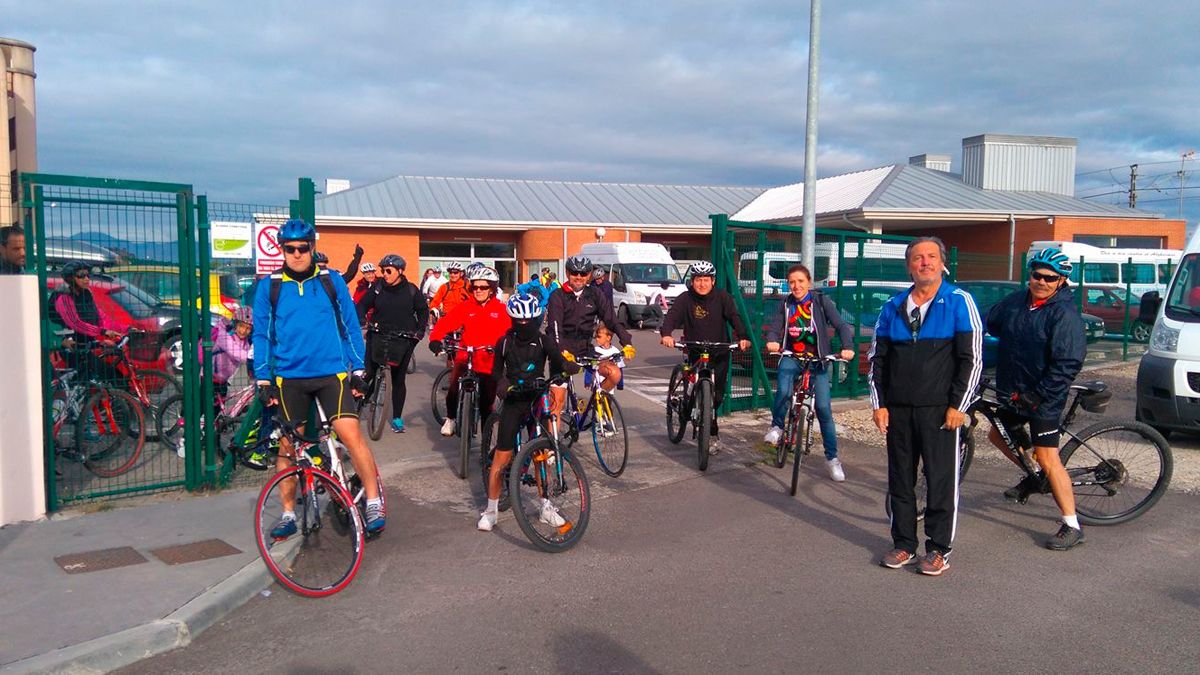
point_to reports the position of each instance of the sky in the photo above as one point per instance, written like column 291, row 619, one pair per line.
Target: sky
column 241, row 98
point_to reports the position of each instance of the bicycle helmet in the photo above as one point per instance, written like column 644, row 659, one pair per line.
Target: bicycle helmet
column 598, row 273
column 392, row 260
column 454, row 266
column 524, row 306
column 297, row 230
column 702, row 268
column 69, row 269
column 483, row 273
column 367, row 267
column 474, row 266
column 1052, row 259
column 578, row 264
column 320, row 258
column 244, row 315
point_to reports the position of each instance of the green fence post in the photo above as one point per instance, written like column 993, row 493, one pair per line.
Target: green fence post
column 953, row 264
column 206, row 382
column 1082, row 285
column 1125, row 327
column 191, row 326
column 35, row 219
column 858, row 312
column 293, row 208
column 849, row 386
column 308, row 201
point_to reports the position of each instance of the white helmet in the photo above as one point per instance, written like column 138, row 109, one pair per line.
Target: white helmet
column 702, row 268
column 367, row 267
column 454, row 266
column 483, row 273
column 524, row 306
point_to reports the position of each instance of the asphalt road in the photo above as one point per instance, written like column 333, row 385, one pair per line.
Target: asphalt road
column 684, row 572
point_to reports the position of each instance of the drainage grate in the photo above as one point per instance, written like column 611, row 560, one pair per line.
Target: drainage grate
column 200, row 550
column 94, row 561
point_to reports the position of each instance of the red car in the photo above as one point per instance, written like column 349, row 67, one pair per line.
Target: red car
column 129, row 309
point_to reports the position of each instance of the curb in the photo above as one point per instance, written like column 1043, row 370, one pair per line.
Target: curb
column 177, row 629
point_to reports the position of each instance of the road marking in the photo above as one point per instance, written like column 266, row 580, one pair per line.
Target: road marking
column 651, row 389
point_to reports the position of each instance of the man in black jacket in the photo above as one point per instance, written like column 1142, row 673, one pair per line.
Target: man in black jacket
column 703, row 312
column 1042, row 346
column 398, row 307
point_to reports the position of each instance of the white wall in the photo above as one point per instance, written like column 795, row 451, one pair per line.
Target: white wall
column 22, row 479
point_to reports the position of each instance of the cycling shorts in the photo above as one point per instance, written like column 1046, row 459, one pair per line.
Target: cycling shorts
column 296, row 396
column 1045, row 432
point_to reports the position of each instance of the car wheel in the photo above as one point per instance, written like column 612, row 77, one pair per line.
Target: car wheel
column 174, row 347
column 1140, row 332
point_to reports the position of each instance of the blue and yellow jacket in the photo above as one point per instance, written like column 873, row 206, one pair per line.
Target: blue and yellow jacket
column 301, row 337
column 939, row 366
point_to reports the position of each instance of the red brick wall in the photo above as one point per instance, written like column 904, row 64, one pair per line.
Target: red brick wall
column 1173, row 232
column 338, row 243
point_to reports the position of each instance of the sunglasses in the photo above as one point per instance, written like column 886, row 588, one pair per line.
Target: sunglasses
column 580, row 274
column 292, row 250
column 455, row 272
column 82, row 275
column 1048, row 278
column 477, row 287
column 390, row 270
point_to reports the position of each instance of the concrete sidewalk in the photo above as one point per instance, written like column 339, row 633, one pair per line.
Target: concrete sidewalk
column 97, row 619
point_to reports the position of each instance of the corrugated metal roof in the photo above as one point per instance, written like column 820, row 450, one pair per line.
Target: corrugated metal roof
column 915, row 189
column 534, row 201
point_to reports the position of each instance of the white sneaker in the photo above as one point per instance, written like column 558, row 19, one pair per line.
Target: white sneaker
column 549, row 515
column 448, row 427
column 714, row 445
column 773, row 436
column 487, row 520
column 835, row 470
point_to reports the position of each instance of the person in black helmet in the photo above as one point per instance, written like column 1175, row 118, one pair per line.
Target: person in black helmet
column 398, row 311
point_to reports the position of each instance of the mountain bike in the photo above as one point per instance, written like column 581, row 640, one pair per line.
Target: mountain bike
column 546, row 487
column 690, row 395
column 1118, row 468
column 377, row 404
column 797, row 437
column 234, row 410
column 468, row 408
column 329, row 500
column 151, row 387
column 600, row 414
column 441, row 383
column 101, row 428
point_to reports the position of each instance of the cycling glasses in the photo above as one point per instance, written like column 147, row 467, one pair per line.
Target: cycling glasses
column 481, row 287
column 580, row 274
column 301, row 249
column 390, row 270
column 1048, row 278
column 81, row 275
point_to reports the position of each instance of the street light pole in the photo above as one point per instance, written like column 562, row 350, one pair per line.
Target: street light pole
column 1182, row 158
column 808, row 239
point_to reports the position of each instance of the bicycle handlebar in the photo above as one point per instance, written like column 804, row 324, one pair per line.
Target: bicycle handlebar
column 700, row 344
column 374, row 327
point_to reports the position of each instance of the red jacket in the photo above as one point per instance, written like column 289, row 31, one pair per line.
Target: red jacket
column 482, row 326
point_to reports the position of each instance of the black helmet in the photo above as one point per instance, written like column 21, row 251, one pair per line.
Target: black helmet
column 579, row 264
column 393, row 260
column 69, row 269
column 320, row 258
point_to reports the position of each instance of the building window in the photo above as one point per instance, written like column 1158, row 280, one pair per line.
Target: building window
column 1119, row 241
column 505, row 251
column 438, row 249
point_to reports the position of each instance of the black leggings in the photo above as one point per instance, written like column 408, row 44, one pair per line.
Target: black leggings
column 485, row 396
column 513, row 413
column 401, row 352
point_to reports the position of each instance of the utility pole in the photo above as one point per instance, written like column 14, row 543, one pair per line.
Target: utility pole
column 1183, row 157
column 1133, row 186
column 808, row 233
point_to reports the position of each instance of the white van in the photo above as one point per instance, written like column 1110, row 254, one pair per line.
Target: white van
column 1150, row 269
column 644, row 277
column 1168, row 381
column 880, row 264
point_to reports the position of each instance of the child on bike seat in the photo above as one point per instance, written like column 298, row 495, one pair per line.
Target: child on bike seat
column 610, row 369
column 521, row 356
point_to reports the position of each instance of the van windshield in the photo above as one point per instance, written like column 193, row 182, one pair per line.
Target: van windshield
column 650, row 273
column 1183, row 300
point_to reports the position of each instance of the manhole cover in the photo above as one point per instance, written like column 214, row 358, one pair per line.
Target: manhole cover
column 200, row 550
column 93, row 561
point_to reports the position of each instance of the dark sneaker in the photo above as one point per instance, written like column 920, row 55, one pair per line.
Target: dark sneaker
column 1067, row 537
column 933, row 564
column 1029, row 485
column 285, row 528
column 897, row 558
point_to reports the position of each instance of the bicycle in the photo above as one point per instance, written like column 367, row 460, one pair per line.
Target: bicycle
column 151, row 387
column 601, row 414
column 797, row 437
column 232, row 412
column 1105, row 460
column 108, row 425
column 324, row 554
column 377, row 404
column 468, row 409
column 441, row 383
column 690, row 395
column 544, row 478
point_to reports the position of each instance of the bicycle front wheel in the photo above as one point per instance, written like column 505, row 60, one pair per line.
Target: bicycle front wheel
column 110, row 432
column 441, row 386
column 170, row 421
column 704, row 401
column 466, row 429
column 676, row 406
column 323, row 553
column 785, row 439
column 1118, row 471
column 550, row 495
column 160, row 387
column 801, row 443
column 609, row 436
column 379, row 402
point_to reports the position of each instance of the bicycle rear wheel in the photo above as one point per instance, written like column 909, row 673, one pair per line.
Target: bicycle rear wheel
column 676, row 405
column 379, row 402
column 550, row 495
column 1118, row 471
column 466, row 429
column 441, row 385
column 110, row 432
column 160, row 387
column 703, row 421
column 487, row 449
column 609, row 436
column 801, row 444
column 326, row 550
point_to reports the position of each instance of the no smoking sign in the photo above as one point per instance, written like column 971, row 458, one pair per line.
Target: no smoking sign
column 267, row 254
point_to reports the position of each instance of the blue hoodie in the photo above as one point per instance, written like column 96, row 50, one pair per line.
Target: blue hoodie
column 307, row 342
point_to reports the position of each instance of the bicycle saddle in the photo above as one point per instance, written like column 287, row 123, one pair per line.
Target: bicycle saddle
column 1091, row 386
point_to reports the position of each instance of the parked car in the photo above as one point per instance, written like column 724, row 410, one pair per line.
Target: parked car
column 129, row 307
column 162, row 281
column 1108, row 303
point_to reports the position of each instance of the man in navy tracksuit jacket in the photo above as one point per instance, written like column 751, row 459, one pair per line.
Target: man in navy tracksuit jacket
column 926, row 361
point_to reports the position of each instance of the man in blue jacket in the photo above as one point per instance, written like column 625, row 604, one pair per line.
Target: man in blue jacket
column 1042, row 346
column 926, row 361
column 307, row 348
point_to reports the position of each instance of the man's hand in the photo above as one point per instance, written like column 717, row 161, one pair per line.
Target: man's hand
column 667, row 341
column 568, row 356
column 846, row 354
column 954, row 419
column 358, row 385
column 774, row 347
column 435, row 346
column 629, row 352
column 358, row 251
column 881, row 420
column 743, row 345
column 268, row 393
column 1027, row 401
column 112, row 335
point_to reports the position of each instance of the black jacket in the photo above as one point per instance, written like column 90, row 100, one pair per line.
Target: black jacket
column 9, row 268
column 524, row 361
column 825, row 314
column 703, row 317
column 397, row 308
column 571, row 319
column 1041, row 350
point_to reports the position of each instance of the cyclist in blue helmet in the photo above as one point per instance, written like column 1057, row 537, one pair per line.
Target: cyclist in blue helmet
column 1042, row 346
